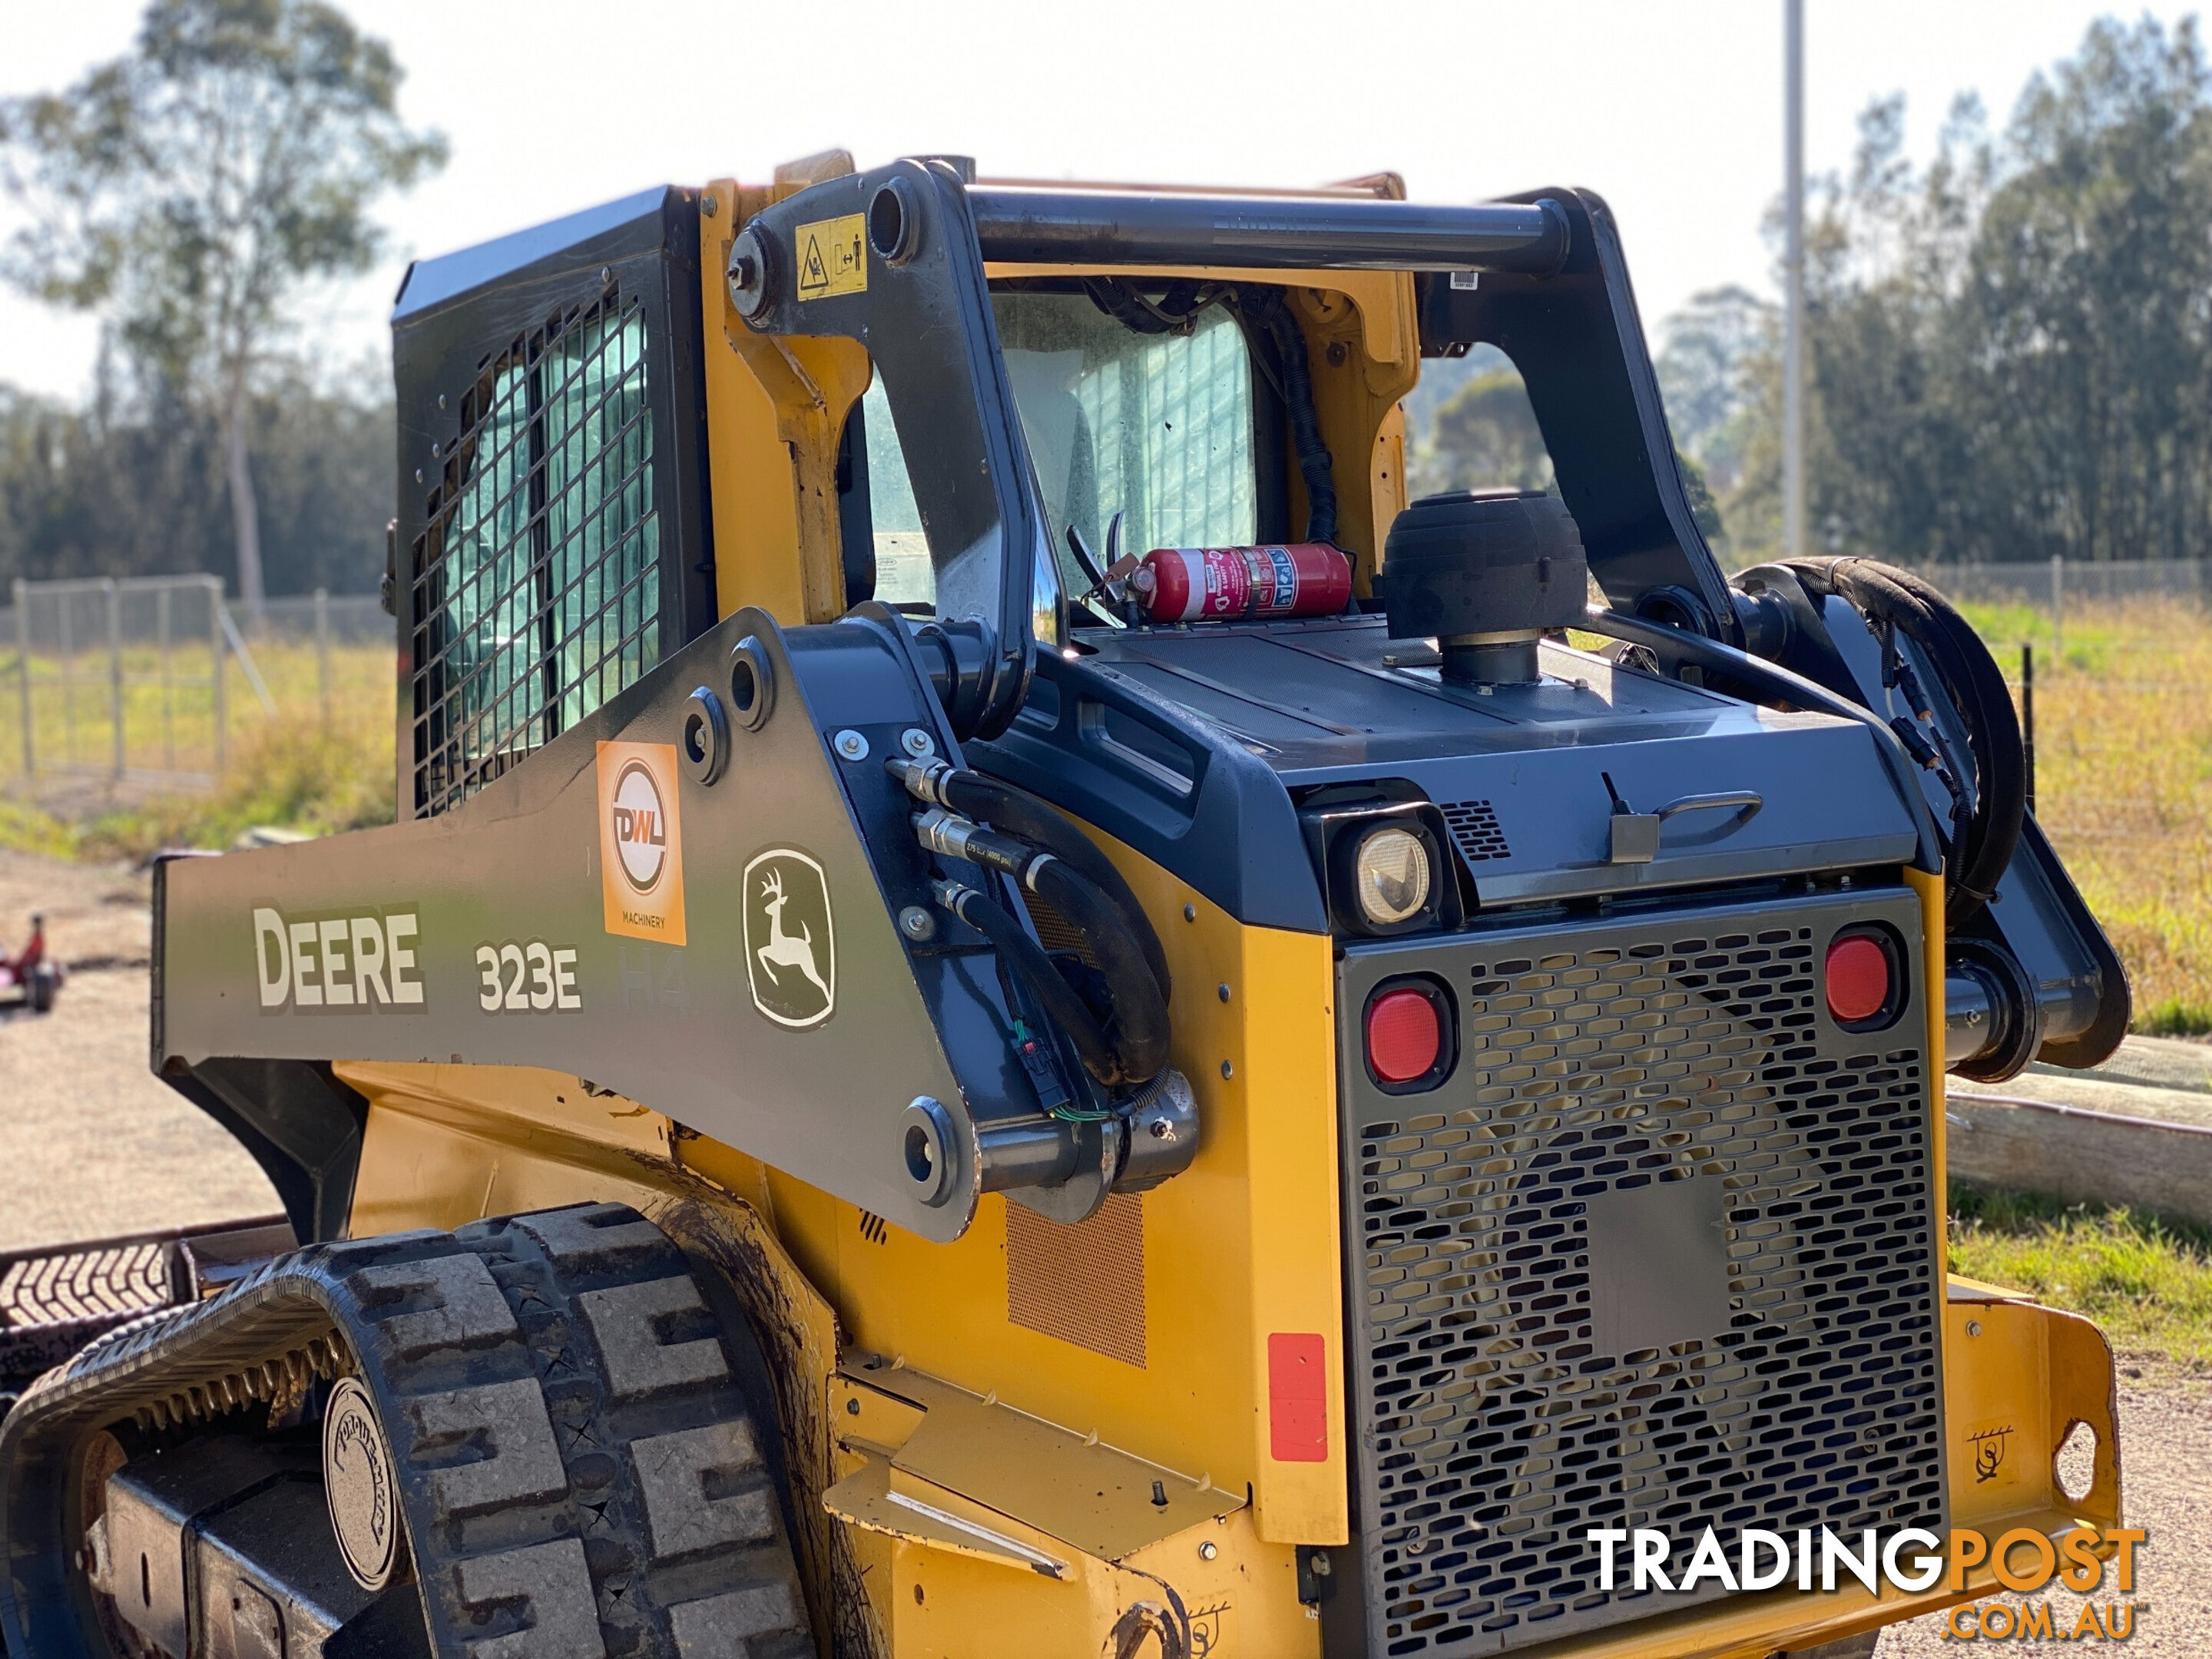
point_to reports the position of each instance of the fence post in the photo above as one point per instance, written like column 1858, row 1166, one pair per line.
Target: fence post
column 323, row 651
column 23, row 656
column 69, row 677
column 2058, row 606
column 212, row 585
column 168, row 698
column 115, row 666
column 2027, row 716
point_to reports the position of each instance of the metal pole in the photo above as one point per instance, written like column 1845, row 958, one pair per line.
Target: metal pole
column 1793, row 316
column 168, row 696
column 68, row 678
column 2058, row 606
column 115, row 667
column 213, row 588
column 23, row 655
column 2027, row 716
column 323, row 651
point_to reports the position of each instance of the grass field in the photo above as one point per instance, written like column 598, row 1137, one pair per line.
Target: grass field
column 290, row 770
column 2148, row 1283
column 2124, row 769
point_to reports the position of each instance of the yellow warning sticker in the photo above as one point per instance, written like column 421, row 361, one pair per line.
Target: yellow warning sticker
column 833, row 256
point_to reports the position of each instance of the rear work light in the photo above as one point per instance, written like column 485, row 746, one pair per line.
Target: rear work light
column 1409, row 1035
column 1865, row 981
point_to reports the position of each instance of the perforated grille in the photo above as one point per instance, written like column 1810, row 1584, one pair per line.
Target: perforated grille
column 538, row 591
column 1495, row 1428
column 1475, row 831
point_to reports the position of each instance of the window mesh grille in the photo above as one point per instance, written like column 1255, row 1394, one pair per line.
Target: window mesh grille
column 537, row 577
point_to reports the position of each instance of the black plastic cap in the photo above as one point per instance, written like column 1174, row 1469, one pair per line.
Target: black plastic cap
column 1483, row 562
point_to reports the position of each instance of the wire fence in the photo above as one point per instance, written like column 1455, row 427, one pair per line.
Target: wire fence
column 2051, row 586
column 147, row 679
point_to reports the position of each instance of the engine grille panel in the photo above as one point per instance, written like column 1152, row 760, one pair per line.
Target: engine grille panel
column 1659, row 1253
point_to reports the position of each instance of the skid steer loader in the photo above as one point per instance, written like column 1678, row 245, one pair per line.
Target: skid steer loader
column 1015, row 1010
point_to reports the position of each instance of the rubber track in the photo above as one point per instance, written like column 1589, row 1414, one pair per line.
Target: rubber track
column 578, row 1467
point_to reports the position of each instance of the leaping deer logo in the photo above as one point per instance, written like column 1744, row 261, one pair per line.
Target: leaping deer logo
column 792, row 954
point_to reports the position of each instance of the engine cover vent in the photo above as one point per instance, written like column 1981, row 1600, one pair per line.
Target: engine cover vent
column 1661, row 1253
column 1475, row 831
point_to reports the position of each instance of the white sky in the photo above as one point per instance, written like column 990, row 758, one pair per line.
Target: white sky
column 1671, row 111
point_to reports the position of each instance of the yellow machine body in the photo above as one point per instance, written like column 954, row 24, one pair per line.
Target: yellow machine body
column 1039, row 1440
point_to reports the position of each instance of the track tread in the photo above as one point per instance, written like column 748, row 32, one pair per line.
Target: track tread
column 597, row 1402
column 523, row 1367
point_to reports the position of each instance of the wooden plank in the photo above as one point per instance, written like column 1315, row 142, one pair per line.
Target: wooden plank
column 2102, row 1157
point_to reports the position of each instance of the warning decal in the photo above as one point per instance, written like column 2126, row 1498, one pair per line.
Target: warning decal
column 832, row 257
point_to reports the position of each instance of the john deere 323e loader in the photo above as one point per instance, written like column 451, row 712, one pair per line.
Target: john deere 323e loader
column 1015, row 1011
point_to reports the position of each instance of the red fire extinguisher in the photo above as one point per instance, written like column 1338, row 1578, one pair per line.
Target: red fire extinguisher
column 1235, row 584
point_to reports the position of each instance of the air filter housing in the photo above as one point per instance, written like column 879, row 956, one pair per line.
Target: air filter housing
column 1485, row 572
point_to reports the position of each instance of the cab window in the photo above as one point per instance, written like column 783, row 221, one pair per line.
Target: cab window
column 1158, row 428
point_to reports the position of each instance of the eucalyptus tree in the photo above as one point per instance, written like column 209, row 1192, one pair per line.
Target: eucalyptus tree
column 192, row 190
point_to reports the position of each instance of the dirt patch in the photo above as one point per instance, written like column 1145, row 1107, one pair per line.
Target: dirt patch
column 91, row 1144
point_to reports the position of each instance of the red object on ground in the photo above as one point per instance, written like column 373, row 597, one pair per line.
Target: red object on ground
column 1858, row 978
column 1236, row 584
column 1404, row 1035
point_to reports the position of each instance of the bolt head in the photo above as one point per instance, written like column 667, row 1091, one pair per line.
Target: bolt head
column 917, row 742
column 1228, row 1071
column 710, row 205
column 917, row 923
column 1208, row 1550
column 1973, row 1328
column 1222, row 990
column 1190, row 913
column 851, row 744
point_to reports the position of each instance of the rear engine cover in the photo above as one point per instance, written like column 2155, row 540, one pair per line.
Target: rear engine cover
column 1660, row 1251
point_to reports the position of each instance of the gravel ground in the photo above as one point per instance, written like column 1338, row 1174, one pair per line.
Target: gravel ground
column 2166, row 1485
column 91, row 1143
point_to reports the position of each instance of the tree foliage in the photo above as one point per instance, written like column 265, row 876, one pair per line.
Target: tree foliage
column 190, row 189
column 132, row 484
column 1483, row 436
column 2010, row 348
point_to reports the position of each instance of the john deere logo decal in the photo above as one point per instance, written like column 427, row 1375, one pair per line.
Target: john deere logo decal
column 641, row 841
column 791, row 947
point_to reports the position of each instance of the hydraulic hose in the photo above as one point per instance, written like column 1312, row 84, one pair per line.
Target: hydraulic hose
column 1263, row 309
column 1984, row 838
column 1138, row 1033
column 1017, row 812
column 1061, row 1004
column 1141, row 1006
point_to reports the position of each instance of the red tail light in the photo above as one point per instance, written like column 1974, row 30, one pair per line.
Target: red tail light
column 1860, row 981
column 1405, row 1036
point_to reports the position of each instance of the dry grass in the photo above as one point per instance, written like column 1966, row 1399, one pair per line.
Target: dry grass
column 2123, row 770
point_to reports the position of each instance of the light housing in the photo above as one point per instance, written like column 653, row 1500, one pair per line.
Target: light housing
column 1392, row 873
column 1386, row 864
column 1409, row 1035
column 1863, row 978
